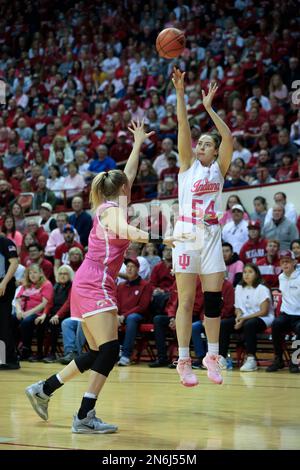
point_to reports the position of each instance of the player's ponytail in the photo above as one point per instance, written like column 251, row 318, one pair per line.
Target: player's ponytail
column 106, row 185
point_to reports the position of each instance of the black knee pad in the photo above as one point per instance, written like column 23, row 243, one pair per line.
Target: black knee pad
column 106, row 358
column 86, row 360
column 212, row 304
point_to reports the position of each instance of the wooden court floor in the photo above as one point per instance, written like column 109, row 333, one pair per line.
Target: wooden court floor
column 153, row 411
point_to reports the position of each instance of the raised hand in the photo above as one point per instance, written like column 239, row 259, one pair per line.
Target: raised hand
column 137, row 129
column 178, row 79
column 207, row 99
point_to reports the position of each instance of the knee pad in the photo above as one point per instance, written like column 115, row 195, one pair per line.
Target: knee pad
column 85, row 361
column 106, row 358
column 212, row 304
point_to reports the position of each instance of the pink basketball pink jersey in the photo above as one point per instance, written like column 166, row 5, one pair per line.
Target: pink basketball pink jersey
column 104, row 246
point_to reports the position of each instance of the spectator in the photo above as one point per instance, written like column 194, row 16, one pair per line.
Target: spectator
column 43, row 195
column 269, row 266
column 284, row 146
column 254, row 248
column 60, row 307
column 37, row 232
column 8, row 267
column 278, row 89
column 289, row 208
column 61, row 255
column 60, row 144
column 280, row 228
column 102, row 162
column 161, row 162
column 6, row 195
column 253, row 314
column 263, row 100
column 239, row 150
column 235, row 180
column 36, row 256
column 286, row 171
column 289, row 317
column 147, row 178
column 231, row 201
column 234, row 266
column 295, row 248
column 236, row 231
column 56, row 237
column 134, row 251
column 81, row 220
column 47, row 221
column 74, row 182
column 150, row 253
column 162, row 279
column 120, row 151
column 25, row 132
column 75, row 258
column 260, row 210
column 55, row 182
column 33, row 297
column 13, row 158
column 9, row 230
column 172, row 170
column 263, row 177
column 133, row 297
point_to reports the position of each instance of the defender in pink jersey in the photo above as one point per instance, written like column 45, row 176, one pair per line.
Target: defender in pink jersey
column 200, row 184
column 93, row 297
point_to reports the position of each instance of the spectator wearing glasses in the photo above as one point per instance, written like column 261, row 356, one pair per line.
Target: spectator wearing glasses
column 60, row 308
column 36, row 256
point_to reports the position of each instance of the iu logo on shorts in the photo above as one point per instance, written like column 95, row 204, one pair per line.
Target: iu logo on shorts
column 184, row 261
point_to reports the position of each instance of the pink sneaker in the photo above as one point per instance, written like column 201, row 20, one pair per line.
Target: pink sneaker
column 213, row 369
column 184, row 369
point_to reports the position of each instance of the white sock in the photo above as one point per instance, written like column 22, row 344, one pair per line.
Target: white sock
column 213, row 349
column 90, row 395
column 184, row 353
column 59, row 379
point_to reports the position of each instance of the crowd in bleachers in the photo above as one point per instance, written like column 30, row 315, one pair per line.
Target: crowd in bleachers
column 76, row 74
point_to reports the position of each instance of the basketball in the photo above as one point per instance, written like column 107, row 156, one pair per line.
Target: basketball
column 170, row 43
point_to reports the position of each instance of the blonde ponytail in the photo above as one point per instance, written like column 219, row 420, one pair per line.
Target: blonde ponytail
column 106, row 185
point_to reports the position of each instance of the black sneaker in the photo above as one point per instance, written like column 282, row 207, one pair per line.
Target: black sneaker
column 159, row 363
column 276, row 365
column 294, row 368
column 37, row 358
column 50, row 359
column 10, row 366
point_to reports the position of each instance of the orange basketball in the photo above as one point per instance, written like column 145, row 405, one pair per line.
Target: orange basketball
column 170, row 43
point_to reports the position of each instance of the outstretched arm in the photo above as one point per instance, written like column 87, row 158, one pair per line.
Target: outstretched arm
column 186, row 156
column 132, row 164
column 114, row 220
column 226, row 147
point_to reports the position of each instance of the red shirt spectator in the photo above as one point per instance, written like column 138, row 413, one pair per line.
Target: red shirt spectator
column 255, row 247
column 162, row 277
column 269, row 265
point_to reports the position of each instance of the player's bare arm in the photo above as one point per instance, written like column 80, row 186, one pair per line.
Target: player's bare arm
column 226, row 146
column 186, row 155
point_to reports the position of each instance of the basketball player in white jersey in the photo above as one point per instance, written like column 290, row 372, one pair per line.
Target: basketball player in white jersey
column 200, row 183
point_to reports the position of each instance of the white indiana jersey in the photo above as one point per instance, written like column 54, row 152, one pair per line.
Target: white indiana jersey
column 200, row 194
